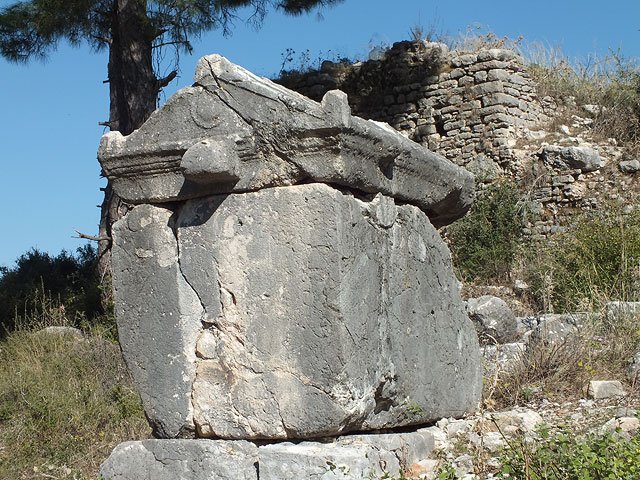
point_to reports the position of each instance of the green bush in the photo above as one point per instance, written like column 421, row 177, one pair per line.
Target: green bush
column 596, row 260
column 563, row 456
column 485, row 242
column 38, row 279
column 65, row 402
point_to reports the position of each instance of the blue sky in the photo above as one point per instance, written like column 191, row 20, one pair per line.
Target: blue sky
column 49, row 112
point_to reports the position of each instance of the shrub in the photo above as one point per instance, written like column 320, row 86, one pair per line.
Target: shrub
column 37, row 279
column 597, row 259
column 562, row 369
column 65, row 402
column 563, row 456
column 485, row 242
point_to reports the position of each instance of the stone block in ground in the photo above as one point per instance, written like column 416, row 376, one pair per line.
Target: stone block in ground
column 291, row 312
column 182, row 460
column 329, row 461
column 409, row 448
column 620, row 311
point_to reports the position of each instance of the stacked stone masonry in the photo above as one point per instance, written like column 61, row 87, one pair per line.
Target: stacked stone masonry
column 459, row 104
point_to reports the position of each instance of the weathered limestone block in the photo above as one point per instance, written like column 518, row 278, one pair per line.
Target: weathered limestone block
column 326, row 461
column 158, row 316
column 354, row 457
column 291, row 312
column 182, row 460
column 235, row 132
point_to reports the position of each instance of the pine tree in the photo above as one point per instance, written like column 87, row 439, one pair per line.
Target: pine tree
column 132, row 31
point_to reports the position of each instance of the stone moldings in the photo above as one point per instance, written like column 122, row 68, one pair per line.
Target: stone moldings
column 279, row 276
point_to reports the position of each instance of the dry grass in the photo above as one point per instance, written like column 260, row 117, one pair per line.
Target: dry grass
column 65, row 402
column 561, row 370
column 610, row 82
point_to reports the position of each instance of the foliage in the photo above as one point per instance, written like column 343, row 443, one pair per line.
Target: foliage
column 485, row 242
column 38, row 280
column 596, row 259
column 65, row 402
column 32, row 28
column 563, row 456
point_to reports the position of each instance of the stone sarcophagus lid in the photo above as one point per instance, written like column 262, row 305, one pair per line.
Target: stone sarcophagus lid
column 279, row 275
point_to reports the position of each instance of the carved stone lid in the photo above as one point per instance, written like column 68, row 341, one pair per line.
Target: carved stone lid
column 235, row 132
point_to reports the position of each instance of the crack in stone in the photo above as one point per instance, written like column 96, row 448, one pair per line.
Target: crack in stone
column 174, row 230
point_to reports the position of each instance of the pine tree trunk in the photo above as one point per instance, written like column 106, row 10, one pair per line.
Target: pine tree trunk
column 133, row 95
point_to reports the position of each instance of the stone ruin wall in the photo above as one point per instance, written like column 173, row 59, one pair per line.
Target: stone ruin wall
column 460, row 105
column 481, row 111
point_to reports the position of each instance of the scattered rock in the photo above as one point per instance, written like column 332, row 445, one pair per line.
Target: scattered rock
column 633, row 370
column 593, row 109
column 624, row 426
column 555, row 328
column 600, row 389
column 60, row 330
column 483, row 168
column 564, row 129
column 519, row 420
column 629, row 166
column 520, row 287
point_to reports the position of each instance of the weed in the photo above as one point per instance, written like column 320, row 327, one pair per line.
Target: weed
column 29, row 290
column 563, row 456
column 599, row 349
column 611, row 83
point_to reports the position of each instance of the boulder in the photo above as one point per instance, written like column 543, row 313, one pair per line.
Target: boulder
column 629, row 166
column 291, row 312
column 583, row 158
column 600, row 389
column 493, row 319
column 555, row 328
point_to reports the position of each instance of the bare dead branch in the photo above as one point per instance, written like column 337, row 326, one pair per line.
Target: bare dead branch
column 91, row 237
column 163, row 82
